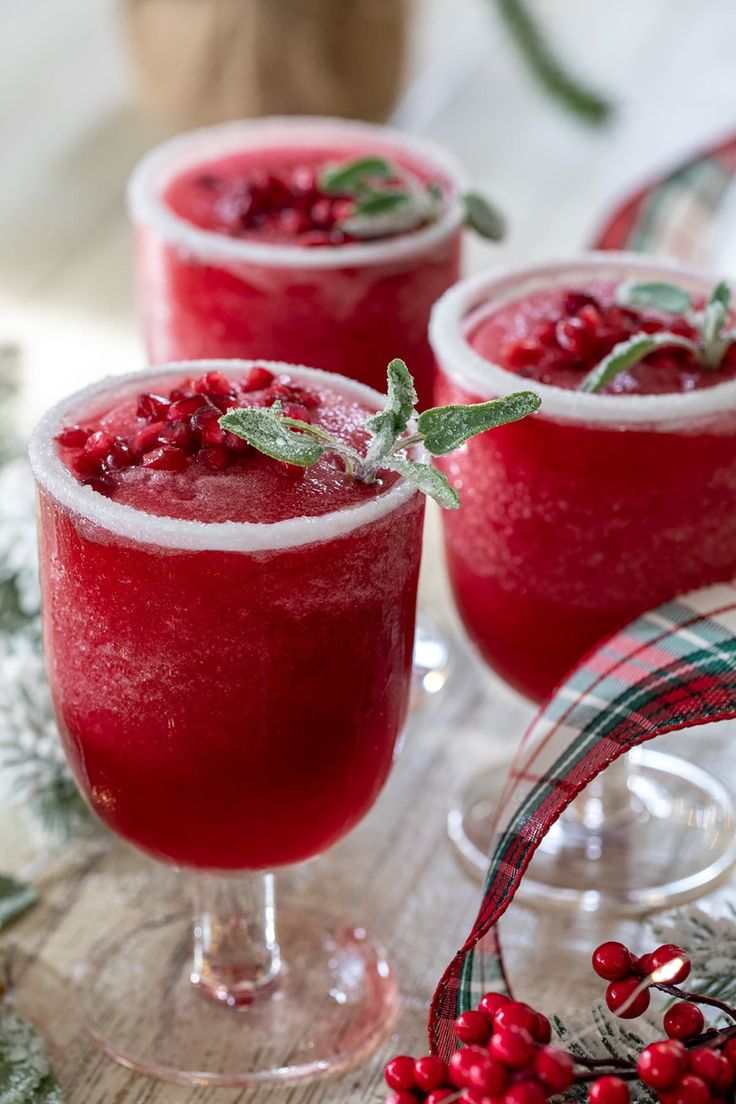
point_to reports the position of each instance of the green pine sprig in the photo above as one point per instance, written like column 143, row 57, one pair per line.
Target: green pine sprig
column 712, row 341
column 388, row 199
column 589, row 105
column 440, row 430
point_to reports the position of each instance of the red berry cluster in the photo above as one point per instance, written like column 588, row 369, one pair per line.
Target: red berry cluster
column 506, row 1058
column 182, row 426
column 628, row 993
column 688, row 1067
column 587, row 330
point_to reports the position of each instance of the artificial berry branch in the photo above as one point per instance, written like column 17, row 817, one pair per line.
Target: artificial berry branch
column 506, row 1055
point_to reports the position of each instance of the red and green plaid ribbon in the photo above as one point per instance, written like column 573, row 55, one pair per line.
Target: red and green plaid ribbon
column 673, row 668
column 673, row 214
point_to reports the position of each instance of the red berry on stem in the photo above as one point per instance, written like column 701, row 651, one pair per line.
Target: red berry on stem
column 399, row 1072
column 542, row 1033
column 430, row 1073
column 473, row 1027
column 403, row 1096
column 490, row 1078
column 729, row 1053
column 436, row 1096
column 690, row 1090
column 462, row 1062
column 609, row 1090
column 661, row 1065
column 712, row 1068
column 643, row 965
column 512, row 1045
column 516, row 1014
column 621, row 1000
column 526, row 1092
column 554, row 1068
column 663, row 959
column 491, row 1002
column 612, row 961
column 683, row 1020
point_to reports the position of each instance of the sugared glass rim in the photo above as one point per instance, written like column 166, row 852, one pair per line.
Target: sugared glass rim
column 458, row 360
column 159, row 166
column 137, row 526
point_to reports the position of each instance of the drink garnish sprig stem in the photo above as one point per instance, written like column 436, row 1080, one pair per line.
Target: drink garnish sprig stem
column 440, row 430
column 709, row 346
column 389, row 199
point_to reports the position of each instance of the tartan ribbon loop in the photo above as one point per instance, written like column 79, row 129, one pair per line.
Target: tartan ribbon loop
column 672, row 668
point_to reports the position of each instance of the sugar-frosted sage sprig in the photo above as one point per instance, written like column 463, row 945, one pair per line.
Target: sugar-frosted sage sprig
column 709, row 346
column 392, row 438
column 389, row 199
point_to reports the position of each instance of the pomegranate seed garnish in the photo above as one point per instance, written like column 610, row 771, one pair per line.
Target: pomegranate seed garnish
column 298, row 411
column 151, row 405
column 98, row 444
column 183, row 408
column 166, row 458
column 73, row 436
column 215, row 383
column 120, row 455
column 182, row 435
column 145, row 439
column 216, row 457
column 236, row 444
column 291, row 471
column 258, row 379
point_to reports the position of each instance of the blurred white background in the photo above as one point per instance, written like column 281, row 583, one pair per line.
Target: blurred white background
column 71, row 133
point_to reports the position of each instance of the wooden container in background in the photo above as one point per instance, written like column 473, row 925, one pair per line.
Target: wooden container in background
column 203, row 61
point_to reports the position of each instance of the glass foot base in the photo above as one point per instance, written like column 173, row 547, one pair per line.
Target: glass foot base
column 674, row 839
column 333, row 1000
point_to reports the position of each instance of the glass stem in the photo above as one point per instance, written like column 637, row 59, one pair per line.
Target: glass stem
column 235, row 947
column 607, row 801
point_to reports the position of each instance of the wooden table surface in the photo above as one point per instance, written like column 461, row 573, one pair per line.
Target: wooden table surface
column 71, row 135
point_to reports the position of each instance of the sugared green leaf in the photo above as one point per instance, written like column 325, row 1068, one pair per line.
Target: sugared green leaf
column 445, row 428
column 346, row 178
column 714, row 319
column 628, row 353
column 483, row 217
column 15, row 898
column 380, row 203
column 429, row 480
column 388, row 424
column 264, row 429
column 655, row 294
